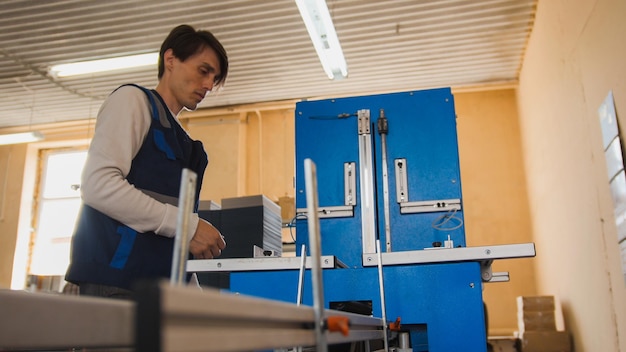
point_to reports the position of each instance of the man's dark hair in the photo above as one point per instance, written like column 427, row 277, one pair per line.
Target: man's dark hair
column 185, row 41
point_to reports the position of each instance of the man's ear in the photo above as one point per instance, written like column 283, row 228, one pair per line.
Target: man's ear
column 168, row 59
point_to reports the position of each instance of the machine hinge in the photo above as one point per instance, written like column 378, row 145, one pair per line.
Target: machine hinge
column 363, row 117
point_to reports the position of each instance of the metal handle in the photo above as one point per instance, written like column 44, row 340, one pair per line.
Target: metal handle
column 301, row 274
column 310, row 181
column 186, row 201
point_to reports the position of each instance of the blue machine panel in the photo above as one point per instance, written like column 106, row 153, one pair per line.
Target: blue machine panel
column 439, row 304
column 445, row 298
column 422, row 130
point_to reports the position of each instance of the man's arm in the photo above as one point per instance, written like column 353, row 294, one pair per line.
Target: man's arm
column 121, row 127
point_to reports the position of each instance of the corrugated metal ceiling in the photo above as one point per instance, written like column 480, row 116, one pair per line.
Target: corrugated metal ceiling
column 389, row 46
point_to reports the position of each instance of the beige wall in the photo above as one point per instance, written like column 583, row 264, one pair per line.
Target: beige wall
column 221, row 136
column 250, row 153
column 12, row 159
column 575, row 56
column 494, row 195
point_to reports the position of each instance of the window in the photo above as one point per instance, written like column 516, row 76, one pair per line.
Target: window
column 58, row 205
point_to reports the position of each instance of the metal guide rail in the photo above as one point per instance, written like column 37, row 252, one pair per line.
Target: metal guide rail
column 167, row 318
column 258, row 264
column 44, row 321
column 483, row 254
column 459, row 254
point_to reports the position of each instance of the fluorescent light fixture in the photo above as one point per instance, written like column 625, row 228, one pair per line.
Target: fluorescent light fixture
column 24, row 137
column 322, row 32
column 94, row 66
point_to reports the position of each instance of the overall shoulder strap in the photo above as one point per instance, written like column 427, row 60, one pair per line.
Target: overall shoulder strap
column 153, row 105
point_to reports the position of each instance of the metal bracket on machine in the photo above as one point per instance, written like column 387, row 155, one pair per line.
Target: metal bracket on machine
column 340, row 211
column 402, row 195
column 430, row 206
column 489, row 276
column 485, row 255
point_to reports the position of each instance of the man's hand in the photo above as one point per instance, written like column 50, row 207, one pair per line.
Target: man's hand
column 207, row 242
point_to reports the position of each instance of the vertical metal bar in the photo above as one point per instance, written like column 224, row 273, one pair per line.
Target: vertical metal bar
column 383, row 306
column 301, row 275
column 386, row 194
column 366, row 177
column 186, row 199
column 402, row 185
column 383, row 130
column 301, row 283
column 349, row 183
column 310, row 180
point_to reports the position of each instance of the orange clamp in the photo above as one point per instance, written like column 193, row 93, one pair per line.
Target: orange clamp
column 338, row 323
column 395, row 326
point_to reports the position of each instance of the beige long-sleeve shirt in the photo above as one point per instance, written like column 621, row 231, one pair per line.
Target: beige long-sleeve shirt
column 121, row 127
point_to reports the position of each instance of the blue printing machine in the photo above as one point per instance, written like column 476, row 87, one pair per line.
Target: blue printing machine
column 439, row 304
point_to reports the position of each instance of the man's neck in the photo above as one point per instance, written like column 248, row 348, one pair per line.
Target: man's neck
column 168, row 98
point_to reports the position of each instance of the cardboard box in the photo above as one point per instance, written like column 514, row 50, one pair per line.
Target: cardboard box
column 535, row 313
column 546, row 341
column 503, row 344
column 535, row 303
column 536, row 321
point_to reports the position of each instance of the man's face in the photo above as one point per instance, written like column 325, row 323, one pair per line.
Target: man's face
column 193, row 78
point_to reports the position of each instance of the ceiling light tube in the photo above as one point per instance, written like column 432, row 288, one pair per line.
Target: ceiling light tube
column 322, row 32
column 111, row 64
column 23, row 137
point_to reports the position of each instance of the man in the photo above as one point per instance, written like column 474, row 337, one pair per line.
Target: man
column 131, row 180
